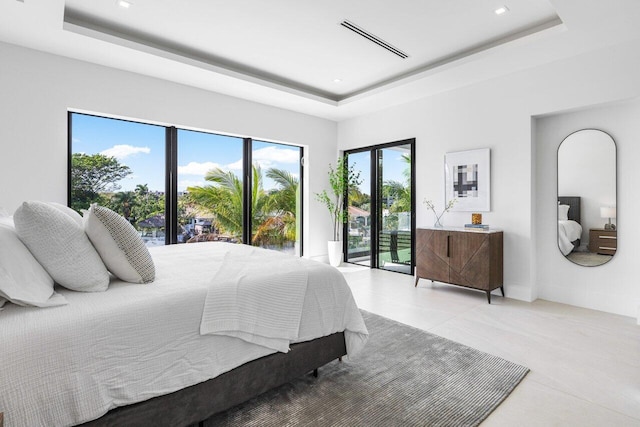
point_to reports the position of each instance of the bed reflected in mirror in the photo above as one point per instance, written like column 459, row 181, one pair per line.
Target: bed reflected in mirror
column 587, row 219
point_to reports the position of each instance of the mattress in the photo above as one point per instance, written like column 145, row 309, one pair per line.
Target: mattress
column 71, row 364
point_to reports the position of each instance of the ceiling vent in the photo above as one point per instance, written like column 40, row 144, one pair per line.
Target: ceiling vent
column 367, row 35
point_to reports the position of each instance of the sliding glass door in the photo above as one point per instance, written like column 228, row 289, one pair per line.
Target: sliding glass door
column 395, row 208
column 380, row 228
column 359, row 209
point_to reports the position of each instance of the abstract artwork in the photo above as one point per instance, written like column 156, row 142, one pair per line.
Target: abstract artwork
column 468, row 180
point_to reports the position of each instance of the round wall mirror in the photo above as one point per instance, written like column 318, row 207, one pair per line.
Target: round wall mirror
column 587, row 218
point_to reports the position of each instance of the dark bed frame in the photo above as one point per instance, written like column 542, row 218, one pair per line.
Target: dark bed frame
column 574, row 212
column 196, row 403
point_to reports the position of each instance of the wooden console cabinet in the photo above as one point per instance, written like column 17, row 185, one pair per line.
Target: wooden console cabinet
column 603, row 241
column 460, row 257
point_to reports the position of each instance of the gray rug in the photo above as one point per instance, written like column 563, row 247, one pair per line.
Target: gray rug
column 403, row 377
column 589, row 259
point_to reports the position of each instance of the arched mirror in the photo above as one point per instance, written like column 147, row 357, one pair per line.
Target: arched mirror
column 587, row 218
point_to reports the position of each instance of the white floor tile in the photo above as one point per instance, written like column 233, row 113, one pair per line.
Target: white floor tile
column 585, row 364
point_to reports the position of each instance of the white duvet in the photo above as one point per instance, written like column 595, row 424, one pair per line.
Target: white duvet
column 568, row 231
column 67, row 365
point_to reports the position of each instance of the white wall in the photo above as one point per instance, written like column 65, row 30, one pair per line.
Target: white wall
column 614, row 286
column 37, row 90
column 497, row 114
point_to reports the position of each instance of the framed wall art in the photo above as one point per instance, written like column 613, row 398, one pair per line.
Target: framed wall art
column 468, row 180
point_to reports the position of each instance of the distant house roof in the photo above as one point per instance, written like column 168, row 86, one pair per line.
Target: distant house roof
column 353, row 211
column 156, row 221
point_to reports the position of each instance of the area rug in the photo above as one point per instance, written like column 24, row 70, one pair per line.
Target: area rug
column 403, row 377
column 589, row 259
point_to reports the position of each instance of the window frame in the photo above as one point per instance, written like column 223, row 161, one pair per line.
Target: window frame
column 171, row 176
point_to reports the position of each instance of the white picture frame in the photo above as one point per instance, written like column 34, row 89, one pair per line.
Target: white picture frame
column 468, row 180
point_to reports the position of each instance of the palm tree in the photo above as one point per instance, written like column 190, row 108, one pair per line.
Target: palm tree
column 401, row 191
column 273, row 213
column 280, row 225
column 123, row 202
column 224, row 199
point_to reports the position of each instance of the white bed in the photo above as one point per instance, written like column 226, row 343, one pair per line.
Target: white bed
column 568, row 232
column 71, row 364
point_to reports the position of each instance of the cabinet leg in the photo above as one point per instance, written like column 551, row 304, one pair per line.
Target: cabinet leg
column 416, row 284
column 489, row 296
column 502, row 290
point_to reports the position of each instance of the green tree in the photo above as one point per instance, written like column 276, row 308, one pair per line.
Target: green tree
column 124, row 202
column 400, row 191
column 224, row 199
column 92, row 175
column 273, row 213
column 279, row 225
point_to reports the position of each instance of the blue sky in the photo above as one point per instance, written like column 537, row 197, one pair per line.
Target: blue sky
column 393, row 166
column 142, row 148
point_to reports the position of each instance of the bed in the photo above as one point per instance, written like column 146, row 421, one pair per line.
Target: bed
column 134, row 354
column 569, row 224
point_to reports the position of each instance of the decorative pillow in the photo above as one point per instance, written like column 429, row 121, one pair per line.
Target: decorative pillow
column 67, row 210
column 61, row 246
column 563, row 212
column 119, row 244
column 22, row 280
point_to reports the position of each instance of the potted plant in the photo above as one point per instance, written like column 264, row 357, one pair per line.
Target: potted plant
column 341, row 178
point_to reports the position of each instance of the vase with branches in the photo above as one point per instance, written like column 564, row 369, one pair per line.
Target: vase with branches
column 342, row 179
column 438, row 217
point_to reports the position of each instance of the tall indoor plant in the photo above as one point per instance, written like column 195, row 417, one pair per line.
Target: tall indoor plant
column 341, row 179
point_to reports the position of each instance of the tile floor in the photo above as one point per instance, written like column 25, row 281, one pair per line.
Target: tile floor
column 585, row 364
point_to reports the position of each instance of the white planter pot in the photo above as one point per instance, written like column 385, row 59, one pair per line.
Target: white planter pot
column 335, row 252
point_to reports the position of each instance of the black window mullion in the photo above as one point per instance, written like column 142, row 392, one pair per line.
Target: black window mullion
column 69, row 154
column 247, row 185
column 300, row 212
column 171, row 186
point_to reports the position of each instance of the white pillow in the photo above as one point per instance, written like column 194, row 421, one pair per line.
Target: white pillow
column 67, row 210
column 22, row 280
column 60, row 245
column 563, row 212
column 119, row 244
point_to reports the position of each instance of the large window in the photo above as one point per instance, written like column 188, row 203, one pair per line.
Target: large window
column 120, row 165
column 182, row 186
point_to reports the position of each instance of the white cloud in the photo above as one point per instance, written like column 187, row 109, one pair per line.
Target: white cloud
column 196, row 168
column 270, row 155
column 236, row 166
column 121, row 152
column 265, row 157
column 185, row 183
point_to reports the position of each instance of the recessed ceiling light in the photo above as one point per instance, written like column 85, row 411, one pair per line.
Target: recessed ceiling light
column 124, row 3
column 337, row 80
column 501, row 10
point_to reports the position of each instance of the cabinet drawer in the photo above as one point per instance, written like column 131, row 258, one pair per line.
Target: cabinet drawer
column 603, row 241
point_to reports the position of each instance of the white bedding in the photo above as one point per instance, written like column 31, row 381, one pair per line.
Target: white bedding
column 67, row 365
column 568, row 231
column 262, row 309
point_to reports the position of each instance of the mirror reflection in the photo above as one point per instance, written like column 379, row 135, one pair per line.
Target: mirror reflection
column 587, row 227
